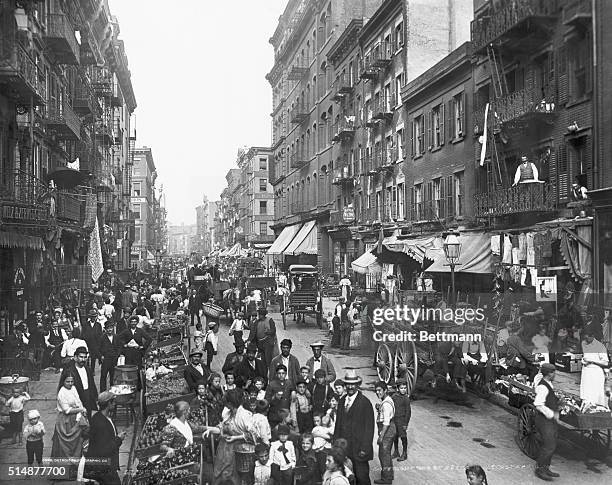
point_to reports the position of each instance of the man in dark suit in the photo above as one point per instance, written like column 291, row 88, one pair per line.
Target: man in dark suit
column 109, row 353
column 233, row 359
column 195, row 373
column 288, row 360
column 355, row 423
column 134, row 342
column 104, row 442
column 251, row 367
column 83, row 379
column 195, row 303
column 92, row 332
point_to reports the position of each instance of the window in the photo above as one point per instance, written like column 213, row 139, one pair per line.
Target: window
column 418, row 202
column 400, row 201
column 458, row 182
column 418, row 136
column 263, row 228
column 378, row 205
column 263, row 185
column 458, row 116
column 388, row 99
column 136, row 211
column 263, row 164
column 399, row 35
column 398, row 89
column 579, row 70
column 399, row 136
column 137, row 234
column 136, row 189
column 263, row 207
column 437, row 203
column 437, row 126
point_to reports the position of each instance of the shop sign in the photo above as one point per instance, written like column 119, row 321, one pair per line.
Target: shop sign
column 546, row 288
column 139, row 200
column 24, row 213
column 348, row 214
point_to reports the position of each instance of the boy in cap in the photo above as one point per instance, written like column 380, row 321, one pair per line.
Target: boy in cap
column 283, row 457
column 211, row 342
column 321, row 392
column 109, row 354
column 34, row 432
column 546, row 421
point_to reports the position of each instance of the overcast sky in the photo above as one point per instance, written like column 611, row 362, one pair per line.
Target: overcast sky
column 198, row 70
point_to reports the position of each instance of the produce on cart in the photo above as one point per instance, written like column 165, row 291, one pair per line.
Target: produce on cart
column 183, row 468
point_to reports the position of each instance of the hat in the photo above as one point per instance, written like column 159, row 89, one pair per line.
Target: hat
column 33, row 413
column 547, row 369
column 301, row 381
column 196, row 352
column 58, row 310
column 128, row 287
column 81, row 350
column 105, row 397
column 134, row 318
column 109, row 324
column 318, row 343
column 92, row 313
column 281, row 367
column 286, row 343
column 252, row 347
column 239, row 344
column 351, row 377
column 283, row 429
column 262, row 311
column 319, row 373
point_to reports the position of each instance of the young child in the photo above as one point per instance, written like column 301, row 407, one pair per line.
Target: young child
column 15, row 404
column 321, row 392
column 302, row 408
column 283, row 457
column 239, row 325
column 261, row 424
column 330, row 323
column 403, row 411
column 211, row 341
column 541, row 343
column 259, row 383
column 33, row 432
column 229, row 381
column 340, row 389
column 305, row 374
column 348, row 464
column 322, row 439
column 198, row 338
column 332, row 412
column 307, row 468
column 263, row 465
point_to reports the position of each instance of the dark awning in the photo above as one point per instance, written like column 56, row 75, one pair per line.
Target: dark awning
column 16, row 240
column 66, row 177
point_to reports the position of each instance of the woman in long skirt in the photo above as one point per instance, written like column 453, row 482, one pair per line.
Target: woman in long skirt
column 592, row 380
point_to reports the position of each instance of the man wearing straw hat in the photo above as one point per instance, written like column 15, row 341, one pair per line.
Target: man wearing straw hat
column 355, row 423
column 319, row 361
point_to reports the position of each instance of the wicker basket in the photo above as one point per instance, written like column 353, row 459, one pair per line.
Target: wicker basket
column 213, row 311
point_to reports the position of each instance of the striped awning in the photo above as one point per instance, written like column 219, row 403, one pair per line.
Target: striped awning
column 367, row 263
column 305, row 241
column 16, row 240
column 284, row 239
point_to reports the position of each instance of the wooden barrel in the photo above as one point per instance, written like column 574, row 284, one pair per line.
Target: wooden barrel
column 126, row 374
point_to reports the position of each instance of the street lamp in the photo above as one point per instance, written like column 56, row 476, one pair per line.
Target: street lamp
column 452, row 251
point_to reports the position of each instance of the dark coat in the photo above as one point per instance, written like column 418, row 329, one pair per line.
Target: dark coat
column 133, row 356
column 232, row 361
column 357, row 427
column 193, row 377
column 247, row 373
column 92, row 335
column 293, row 372
column 110, row 351
column 89, row 398
column 103, row 440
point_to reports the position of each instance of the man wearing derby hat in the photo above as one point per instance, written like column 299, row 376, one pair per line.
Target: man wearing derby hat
column 355, row 423
column 546, row 421
column 83, row 379
column 109, row 354
column 288, row 360
column 104, row 442
column 233, row 359
column 92, row 332
column 195, row 373
column 319, row 361
column 134, row 342
column 263, row 334
column 251, row 367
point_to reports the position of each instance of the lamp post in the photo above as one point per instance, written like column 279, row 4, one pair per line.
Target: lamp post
column 452, row 251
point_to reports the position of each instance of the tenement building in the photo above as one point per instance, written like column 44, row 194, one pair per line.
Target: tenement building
column 65, row 104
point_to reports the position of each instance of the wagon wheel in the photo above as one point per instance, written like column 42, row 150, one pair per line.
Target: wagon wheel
column 406, row 364
column 528, row 438
column 384, row 362
column 600, row 439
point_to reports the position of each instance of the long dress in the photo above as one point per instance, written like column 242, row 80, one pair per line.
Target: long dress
column 225, row 460
column 592, row 381
column 67, row 440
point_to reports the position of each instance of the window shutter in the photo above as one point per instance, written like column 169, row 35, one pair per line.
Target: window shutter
column 450, row 196
column 562, row 173
column 412, row 140
column 428, row 201
column 462, row 114
column 411, row 208
column 442, row 124
column 442, row 214
column 428, row 138
column 450, row 120
column 562, row 86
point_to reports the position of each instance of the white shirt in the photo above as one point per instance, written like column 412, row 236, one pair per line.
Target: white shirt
column 349, row 400
column 184, row 429
column 83, row 375
column 199, row 368
column 71, row 345
column 539, row 402
column 278, row 457
column 68, row 399
column 316, row 364
column 286, row 362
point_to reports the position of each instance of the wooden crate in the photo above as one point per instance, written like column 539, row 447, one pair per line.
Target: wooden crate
column 589, row 420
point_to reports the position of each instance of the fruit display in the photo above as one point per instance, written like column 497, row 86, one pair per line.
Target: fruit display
column 182, row 468
column 152, row 433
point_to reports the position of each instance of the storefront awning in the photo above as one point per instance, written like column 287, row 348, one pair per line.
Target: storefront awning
column 305, row 241
column 283, row 239
column 415, row 248
column 475, row 257
column 367, row 263
column 16, row 240
column 235, row 251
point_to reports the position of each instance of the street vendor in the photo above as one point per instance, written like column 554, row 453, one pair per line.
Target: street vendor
column 546, row 420
column 179, row 432
column 593, row 378
column 195, row 373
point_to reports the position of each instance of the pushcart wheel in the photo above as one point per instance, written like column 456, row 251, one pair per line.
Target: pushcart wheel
column 284, row 314
column 384, row 363
column 528, row 437
column 600, row 439
column 406, row 364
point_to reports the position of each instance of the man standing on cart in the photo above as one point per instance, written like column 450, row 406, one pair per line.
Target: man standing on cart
column 546, row 420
